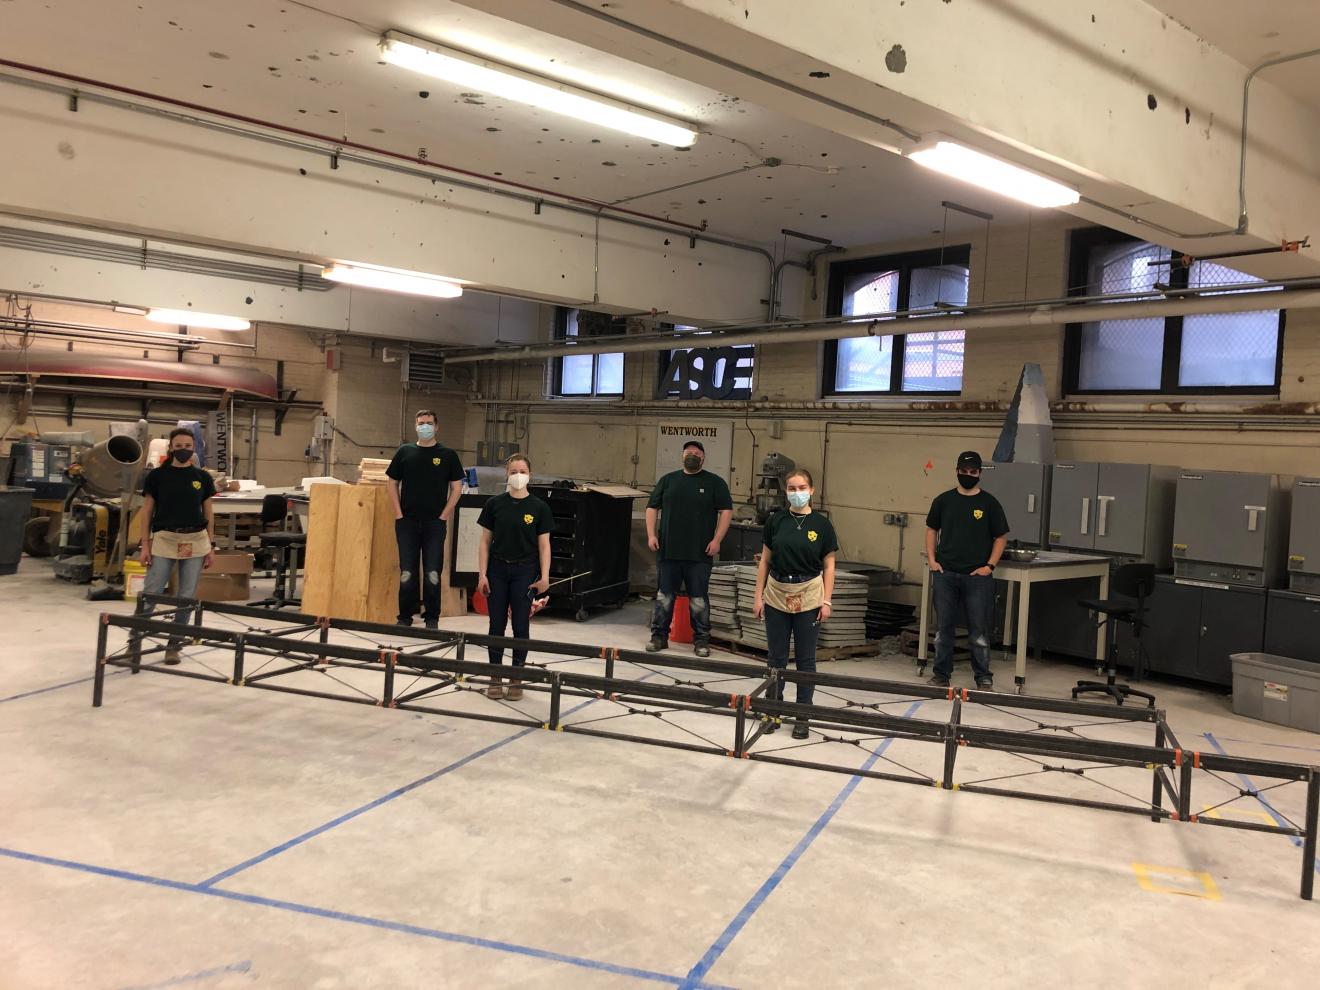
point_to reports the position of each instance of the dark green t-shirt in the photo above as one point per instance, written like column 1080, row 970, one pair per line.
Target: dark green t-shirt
column 689, row 505
column 798, row 544
column 968, row 526
column 424, row 474
column 179, row 493
column 514, row 525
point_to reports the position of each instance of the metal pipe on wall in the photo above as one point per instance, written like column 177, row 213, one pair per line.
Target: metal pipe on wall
column 1053, row 313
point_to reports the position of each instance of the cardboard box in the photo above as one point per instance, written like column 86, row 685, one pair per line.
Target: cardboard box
column 226, row 580
column 223, row 587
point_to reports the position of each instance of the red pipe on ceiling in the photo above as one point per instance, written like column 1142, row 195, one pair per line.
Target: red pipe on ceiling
column 343, row 143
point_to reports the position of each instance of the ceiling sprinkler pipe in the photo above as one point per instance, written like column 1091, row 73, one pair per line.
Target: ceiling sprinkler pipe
column 883, row 325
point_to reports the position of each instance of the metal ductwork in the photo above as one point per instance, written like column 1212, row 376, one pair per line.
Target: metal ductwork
column 109, row 468
column 1058, row 312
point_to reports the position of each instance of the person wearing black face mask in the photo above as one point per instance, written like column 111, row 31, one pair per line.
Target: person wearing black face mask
column 966, row 532
column 693, row 509
column 425, row 481
column 178, row 503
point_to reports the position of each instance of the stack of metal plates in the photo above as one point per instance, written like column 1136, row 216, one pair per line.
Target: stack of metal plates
column 847, row 624
column 753, row 629
column 724, row 620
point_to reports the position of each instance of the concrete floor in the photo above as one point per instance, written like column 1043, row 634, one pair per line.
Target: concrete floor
column 190, row 834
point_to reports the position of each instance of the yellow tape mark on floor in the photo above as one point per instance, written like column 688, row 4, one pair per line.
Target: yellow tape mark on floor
column 1237, row 814
column 1150, row 877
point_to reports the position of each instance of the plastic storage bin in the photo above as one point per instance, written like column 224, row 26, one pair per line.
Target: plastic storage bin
column 1277, row 689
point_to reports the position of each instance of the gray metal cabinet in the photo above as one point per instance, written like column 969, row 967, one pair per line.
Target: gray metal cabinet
column 1292, row 625
column 1024, row 491
column 1072, row 501
column 1229, row 527
column 1192, row 630
column 1120, row 509
column 1304, row 538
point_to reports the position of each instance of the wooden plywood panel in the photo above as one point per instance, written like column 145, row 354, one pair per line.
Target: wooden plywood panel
column 453, row 601
column 319, row 562
column 353, row 539
column 383, row 586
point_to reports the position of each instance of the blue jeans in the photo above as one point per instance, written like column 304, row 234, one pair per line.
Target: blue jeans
column 424, row 538
column 158, row 576
column 508, row 593
column 802, row 627
column 694, row 577
column 975, row 596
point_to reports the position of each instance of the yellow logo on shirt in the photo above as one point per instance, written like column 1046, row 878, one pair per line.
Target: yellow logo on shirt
column 811, row 535
column 435, row 461
column 977, row 513
column 197, row 485
column 528, row 518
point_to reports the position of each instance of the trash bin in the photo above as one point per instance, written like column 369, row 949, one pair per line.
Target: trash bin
column 1277, row 689
column 680, row 630
column 15, row 507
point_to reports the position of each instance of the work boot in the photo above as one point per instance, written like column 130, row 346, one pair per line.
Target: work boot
column 800, row 730
column 985, row 684
column 495, row 691
column 938, row 681
column 432, row 624
column 171, row 656
column 771, row 725
column 514, row 692
column 702, row 649
column 657, row 644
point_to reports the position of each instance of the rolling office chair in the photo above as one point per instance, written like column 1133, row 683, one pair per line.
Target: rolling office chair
column 1134, row 583
column 284, row 545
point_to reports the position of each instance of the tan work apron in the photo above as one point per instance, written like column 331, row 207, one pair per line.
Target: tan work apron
column 795, row 597
column 180, row 546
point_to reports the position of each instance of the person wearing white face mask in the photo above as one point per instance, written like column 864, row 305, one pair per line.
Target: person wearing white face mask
column 514, row 550
column 794, row 582
column 426, row 479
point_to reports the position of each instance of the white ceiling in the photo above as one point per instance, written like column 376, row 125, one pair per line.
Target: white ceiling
column 1256, row 32
column 316, row 66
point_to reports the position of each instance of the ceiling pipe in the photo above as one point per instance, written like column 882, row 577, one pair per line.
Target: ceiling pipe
column 1057, row 313
column 371, row 156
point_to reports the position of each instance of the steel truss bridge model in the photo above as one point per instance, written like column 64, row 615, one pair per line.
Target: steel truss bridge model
column 1079, row 753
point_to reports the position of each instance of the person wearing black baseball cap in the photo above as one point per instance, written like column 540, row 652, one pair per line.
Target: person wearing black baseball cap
column 966, row 532
column 693, row 508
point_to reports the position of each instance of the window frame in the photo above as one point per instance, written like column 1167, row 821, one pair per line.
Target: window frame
column 1080, row 245
column 903, row 263
column 557, row 365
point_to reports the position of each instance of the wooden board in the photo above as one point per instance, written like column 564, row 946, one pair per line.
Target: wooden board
column 383, row 585
column 353, row 547
column 453, row 601
column 319, row 565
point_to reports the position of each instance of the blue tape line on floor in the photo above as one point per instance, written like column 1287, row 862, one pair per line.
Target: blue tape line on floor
column 56, row 687
column 1251, row 786
column 298, row 840
column 245, row 966
column 354, row 919
column 726, row 938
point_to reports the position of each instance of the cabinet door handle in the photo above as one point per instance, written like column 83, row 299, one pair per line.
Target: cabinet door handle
column 1254, row 512
column 1102, row 524
column 1203, row 630
column 1086, row 513
column 1031, row 501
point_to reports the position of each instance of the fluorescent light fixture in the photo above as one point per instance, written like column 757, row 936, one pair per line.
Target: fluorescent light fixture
column 393, row 280
column 202, row 321
column 487, row 76
column 948, row 157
